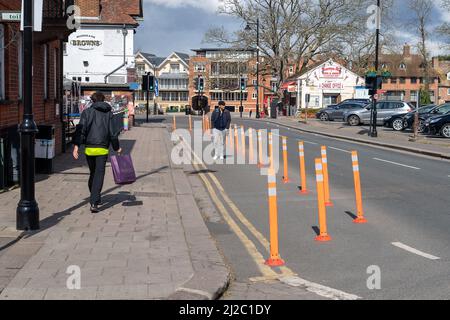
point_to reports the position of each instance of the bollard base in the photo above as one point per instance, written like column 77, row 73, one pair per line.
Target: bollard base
column 286, row 181
column 323, row 238
column 360, row 220
column 275, row 262
column 303, row 192
column 329, row 204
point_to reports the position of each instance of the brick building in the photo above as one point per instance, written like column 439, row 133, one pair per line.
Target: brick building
column 47, row 77
column 222, row 69
column 442, row 67
column 407, row 76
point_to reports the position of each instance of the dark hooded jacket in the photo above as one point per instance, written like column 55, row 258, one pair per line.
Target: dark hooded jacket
column 96, row 128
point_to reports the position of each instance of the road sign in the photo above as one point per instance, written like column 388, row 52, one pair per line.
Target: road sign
column 156, row 88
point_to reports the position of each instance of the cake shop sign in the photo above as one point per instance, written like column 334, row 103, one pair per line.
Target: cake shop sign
column 86, row 42
column 331, row 72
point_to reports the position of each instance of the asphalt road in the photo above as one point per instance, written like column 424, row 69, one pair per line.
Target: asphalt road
column 406, row 200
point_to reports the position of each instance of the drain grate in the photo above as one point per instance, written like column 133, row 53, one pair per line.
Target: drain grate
column 153, row 194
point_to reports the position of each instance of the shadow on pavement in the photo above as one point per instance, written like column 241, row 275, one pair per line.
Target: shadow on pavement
column 109, row 199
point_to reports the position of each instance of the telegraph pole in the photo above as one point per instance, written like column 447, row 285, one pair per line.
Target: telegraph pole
column 27, row 214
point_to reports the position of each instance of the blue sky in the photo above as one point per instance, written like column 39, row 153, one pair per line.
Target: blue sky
column 179, row 25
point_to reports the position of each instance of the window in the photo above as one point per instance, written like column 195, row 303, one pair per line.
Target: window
column 394, row 80
column 413, row 80
column 55, row 73
column 414, row 95
column 291, row 69
column 20, row 66
column 402, row 80
column 448, row 92
column 402, row 66
column 448, row 76
column 45, row 71
column 87, row 79
column 174, row 68
column 2, row 62
column 254, row 96
column 255, row 82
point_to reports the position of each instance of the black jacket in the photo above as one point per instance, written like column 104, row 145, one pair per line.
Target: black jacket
column 96, row 128
column 221, row 123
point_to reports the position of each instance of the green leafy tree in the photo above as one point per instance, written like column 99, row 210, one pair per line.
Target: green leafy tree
column 425, row 97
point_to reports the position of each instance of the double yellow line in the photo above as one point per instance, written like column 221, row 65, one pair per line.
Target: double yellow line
column 211, row 183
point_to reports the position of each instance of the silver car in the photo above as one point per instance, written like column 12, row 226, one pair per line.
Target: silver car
column 385, row 109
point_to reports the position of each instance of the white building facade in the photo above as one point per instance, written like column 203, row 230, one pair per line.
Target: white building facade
column 100, row 54
column 328, row 83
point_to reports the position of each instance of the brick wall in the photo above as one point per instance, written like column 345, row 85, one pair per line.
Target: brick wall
column 89, row 8
column 44, row 110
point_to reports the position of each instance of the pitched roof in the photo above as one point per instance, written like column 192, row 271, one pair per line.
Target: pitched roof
column 184, row 56
column 119, row 12
column 413, row 65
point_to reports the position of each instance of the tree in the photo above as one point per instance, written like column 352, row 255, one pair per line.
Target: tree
column 292, row 31
column 422, row 10
column 444, row 29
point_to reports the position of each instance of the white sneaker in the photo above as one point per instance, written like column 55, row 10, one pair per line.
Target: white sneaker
column 215, row 158
column 222, row 158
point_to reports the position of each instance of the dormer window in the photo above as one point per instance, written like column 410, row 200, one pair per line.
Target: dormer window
column 448, row 76
column 402, row 66
column 384, row 66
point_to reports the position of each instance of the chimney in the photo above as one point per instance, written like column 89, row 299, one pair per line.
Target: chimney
column 435, row 62
column 406, row 50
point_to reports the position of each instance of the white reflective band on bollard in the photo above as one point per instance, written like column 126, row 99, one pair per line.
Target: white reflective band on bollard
column 319, row 177
column 272, row 192
column 324, row 152
column 319, row 166
column 355, row 168
column 354, row 158
column 301, row 154
column 324, row 160
column 271, row 179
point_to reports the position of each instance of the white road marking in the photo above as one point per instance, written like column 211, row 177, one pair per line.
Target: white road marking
column 415, row 251
column 309, row 142
column 318, row 289
column 397, row 164
column 340, row 149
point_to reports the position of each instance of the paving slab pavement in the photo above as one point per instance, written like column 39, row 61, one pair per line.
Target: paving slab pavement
column 149, row 241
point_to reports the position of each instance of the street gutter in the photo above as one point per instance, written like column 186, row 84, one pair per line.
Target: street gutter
column 434, row 154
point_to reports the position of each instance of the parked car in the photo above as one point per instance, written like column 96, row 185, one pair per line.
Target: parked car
column 363, row 101
column 403, row 121
column 336, row 112
column 408, row 120
column 385, row 109
column 438, row 125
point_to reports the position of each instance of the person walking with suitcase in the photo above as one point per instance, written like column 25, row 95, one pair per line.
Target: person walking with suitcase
column 221, row 119
column 96, row 131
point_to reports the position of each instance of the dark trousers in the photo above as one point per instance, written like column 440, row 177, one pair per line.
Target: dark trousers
column 97, row 176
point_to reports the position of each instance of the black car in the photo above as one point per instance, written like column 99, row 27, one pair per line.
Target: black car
column 438, row 125
column 408, row 120
column 403, row 121
column 336, row 112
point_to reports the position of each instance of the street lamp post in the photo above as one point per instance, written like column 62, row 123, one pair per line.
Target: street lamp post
column 258, row 115
column 27, row 214
column 373, row 131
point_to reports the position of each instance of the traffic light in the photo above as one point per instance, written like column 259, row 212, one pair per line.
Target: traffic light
column 148, row 83
column 201, row 84
column 243, row 84
column 374, row 84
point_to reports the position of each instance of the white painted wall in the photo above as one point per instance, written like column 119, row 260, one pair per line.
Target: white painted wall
column 103, row 57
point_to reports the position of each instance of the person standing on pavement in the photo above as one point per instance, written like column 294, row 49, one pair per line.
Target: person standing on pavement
column 96, row 131
column 221, row 120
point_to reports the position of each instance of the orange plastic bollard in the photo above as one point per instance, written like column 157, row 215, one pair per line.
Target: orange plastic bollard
column 251, row 158
column 243, row 141
column 275, row 259
column 301, row 154
column 323, row 236
column 190, row 123
column 285, row 161
column 271, row 164
column 326, row 180
column 359, row 204
column 174, row 124
column 236, row 139
column 260, row 150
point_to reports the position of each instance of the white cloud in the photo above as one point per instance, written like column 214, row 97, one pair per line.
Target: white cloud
column 207, row 5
